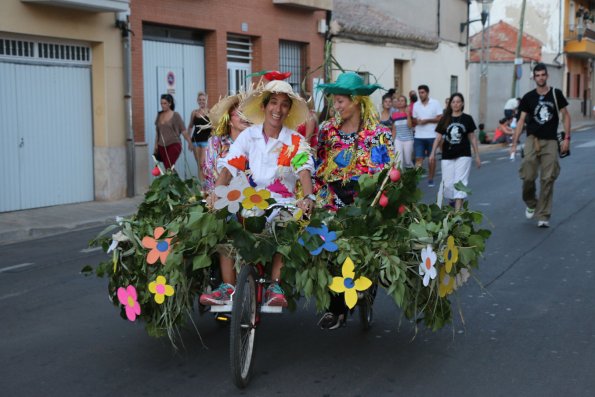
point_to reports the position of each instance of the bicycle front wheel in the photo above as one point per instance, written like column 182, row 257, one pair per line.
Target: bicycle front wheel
column 243, row 327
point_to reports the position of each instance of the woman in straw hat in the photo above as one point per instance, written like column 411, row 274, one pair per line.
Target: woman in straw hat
column 274, row 156
column 227, row 124
column 351, row 143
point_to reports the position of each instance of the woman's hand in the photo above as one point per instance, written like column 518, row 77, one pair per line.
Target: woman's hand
column 306, row 205
column 478, row 161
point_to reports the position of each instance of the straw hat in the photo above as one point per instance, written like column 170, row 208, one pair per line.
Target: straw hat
column 349, row 83
column 219, row 114
column 252, row 106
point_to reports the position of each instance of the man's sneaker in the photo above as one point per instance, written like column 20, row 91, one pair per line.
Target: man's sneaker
column 529, row 212
column 543, row 224
column 275, row 296
column 331, row 321
column 430, row 183
column 220, row 296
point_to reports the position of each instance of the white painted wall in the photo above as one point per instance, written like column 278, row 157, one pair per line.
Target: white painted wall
column 432, row 68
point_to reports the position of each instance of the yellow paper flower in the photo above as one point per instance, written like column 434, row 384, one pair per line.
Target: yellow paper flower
column 451, row 253
column 254, row 198
column 348, row 285
column 447, row 283
column 160, row 289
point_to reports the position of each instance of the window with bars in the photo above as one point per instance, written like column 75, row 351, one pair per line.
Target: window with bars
column 292, row 59
column 239, row 62
column 44, row 51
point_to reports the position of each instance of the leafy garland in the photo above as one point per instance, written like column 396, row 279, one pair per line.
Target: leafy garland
column 420, row 253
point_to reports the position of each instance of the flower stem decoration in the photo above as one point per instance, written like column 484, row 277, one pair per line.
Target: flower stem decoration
column 160, row 249
column 128, row 297
column 451, row 253
column 160, row 289
column 348, row 285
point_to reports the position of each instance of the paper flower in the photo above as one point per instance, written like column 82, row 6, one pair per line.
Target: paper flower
column 327, row 237
column 117, row 238
column 288, row 151
column 128, row 297
column 160, row 289
column 447, row 283
column 451, row 253
column 426, row 267
column 461, row 278
column 279, row 188
column 255, row 198
column 231, row 196
column 240, row 162
column 160, row 249
column 348, row 285
column 300, row 159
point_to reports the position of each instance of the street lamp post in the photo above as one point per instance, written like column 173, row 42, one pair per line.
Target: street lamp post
column 485, row 59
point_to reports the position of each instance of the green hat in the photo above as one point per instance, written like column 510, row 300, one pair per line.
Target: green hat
column 349, row 83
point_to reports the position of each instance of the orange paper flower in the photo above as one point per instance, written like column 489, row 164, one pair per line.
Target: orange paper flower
column 287, row 152
column 239, row 162
column 160, row 249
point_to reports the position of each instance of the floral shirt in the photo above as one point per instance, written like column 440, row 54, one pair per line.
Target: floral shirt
column 345, row 156
column 270, row 163
column 217, row 147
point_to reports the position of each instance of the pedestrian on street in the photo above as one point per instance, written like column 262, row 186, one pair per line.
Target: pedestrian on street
column 168, row 127
column 539, row 109
column 427, row 112
column 510, row 108
column 456, row 135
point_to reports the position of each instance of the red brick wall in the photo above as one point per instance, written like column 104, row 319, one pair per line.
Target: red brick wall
column 267, row 24
column 503, row 39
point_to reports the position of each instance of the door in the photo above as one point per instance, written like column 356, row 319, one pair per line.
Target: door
column 46, row 155
column 178, row 69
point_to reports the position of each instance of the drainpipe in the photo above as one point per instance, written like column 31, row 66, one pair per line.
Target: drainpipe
column 123, row 23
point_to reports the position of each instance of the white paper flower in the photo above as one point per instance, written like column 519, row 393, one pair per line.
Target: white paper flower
column 462, row 277
column 426, row 267
column 231, row 196
column 117, row 238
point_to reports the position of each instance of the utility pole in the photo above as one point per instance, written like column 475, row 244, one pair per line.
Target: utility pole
column 518, row 60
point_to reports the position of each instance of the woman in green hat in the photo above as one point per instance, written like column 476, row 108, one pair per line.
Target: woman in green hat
column 351, row 143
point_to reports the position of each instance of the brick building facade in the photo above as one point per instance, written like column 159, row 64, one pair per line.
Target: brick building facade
column 502, row 45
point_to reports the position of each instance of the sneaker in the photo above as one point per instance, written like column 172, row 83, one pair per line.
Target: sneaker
column 275, row 296
column 220, row 296
column 430, row 183
column 543, row 224
column 529, row 212
column 331, row 321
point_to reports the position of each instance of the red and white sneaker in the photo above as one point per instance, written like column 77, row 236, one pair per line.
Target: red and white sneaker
column 220, row 296
column 275, row 296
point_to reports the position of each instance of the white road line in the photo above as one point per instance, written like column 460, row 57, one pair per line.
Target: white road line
column 87, row 250
column 9, row 268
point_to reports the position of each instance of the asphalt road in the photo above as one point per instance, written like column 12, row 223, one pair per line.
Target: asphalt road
column 530, row 331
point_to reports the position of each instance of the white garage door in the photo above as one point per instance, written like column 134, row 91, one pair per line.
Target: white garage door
column 178, row 69
column 46, row 144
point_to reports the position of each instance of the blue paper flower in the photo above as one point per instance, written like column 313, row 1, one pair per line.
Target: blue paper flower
column 327, row 237
column 343, row 158
column 380, row 154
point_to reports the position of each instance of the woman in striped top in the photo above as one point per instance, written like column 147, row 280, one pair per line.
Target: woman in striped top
column 403, row 133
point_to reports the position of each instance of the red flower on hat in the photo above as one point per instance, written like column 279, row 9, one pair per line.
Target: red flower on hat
column 239, row 162
column 276, row 75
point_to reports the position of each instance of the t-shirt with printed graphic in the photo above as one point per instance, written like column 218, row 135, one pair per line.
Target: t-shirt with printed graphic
column 456, row 137
column 542, row 118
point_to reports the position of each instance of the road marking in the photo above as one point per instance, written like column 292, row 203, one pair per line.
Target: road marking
column 503, row 158
column 13, row 295
column 486, row 162
column 87, row 250
column 588, row 144
column 9, row 268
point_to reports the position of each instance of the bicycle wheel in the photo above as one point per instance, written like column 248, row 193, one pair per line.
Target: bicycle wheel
column 243, row 327
column 366, row 310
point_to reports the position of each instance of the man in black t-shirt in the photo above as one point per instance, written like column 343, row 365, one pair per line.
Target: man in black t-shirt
column 540, row 109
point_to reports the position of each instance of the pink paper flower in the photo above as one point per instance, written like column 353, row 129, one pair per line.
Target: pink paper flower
column 128, row 298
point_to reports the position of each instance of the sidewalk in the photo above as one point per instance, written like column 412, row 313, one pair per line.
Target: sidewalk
column 39, row 222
